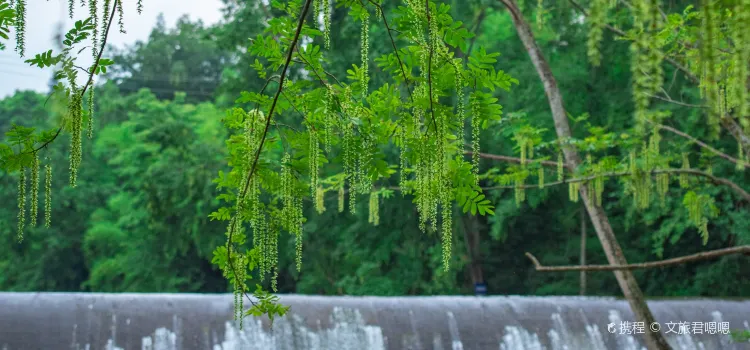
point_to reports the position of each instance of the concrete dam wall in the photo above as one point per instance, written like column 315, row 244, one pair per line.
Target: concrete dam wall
column 81, row 321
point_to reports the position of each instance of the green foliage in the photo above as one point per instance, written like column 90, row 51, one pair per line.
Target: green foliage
column 7, row 18
column 740, row 336
column 284, row 145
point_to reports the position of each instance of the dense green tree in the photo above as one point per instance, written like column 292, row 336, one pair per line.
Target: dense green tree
column 180, row 59
column 308, row 132
column 161, row 157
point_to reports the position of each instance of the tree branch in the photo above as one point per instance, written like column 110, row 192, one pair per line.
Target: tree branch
column 91, row 73
column 716, row 180
column 727, row 121
column 509, row 159
column 694, row 172
column 619, row 32
column 668, row 99
column 284, row 71
column 711, row 254
column 395, row 48
column 699, row 143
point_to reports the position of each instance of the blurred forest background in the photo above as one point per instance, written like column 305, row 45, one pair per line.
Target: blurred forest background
column 138, row 220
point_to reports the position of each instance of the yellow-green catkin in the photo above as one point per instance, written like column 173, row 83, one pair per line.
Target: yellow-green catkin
column 695, row 204
column 460, row 108
column 95, row 32
column 314, row 163
column 573, row 188
column 298, row 231
column 21, row 203
column 286, row 189
column 320, row 206
column 742, row 56
column 328, row 118
column 316, row 11
column 90, row 130
column 597, row 20
column 401, row 140
column 540, row 14
column 365, row 38
column 240, row 286
column 374, row 212
column 121, row 17
column 683, row 179
column 237, row 298
column 326, row 24
column 47, row 195
column 34, row 189
column 20, row 26
column 75, row 113
column 105, row 16
column 475, row 110
column 560, row 172
column 447, row 236
column 709, row 77
column 292, row 208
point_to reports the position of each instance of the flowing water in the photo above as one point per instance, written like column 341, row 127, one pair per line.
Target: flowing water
column 81, row 321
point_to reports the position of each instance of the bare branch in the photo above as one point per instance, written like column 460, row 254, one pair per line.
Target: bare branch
column 668, row 99
column 711, row 254
column 512, row 159
column 694, row 172
column 699, row 143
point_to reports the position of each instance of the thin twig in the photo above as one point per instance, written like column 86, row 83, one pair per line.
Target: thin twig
column 694, row 172
column 512, row 159
column 711, row 254
column 395, row 48
column 670, row 100
column 91, row 74
column 699, row 143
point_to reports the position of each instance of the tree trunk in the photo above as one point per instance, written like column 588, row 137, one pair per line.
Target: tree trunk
column 625, row 278
column 471, row 236
column 583, row 251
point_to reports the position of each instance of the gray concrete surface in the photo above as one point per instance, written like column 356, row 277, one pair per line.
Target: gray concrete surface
column 77, row 321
